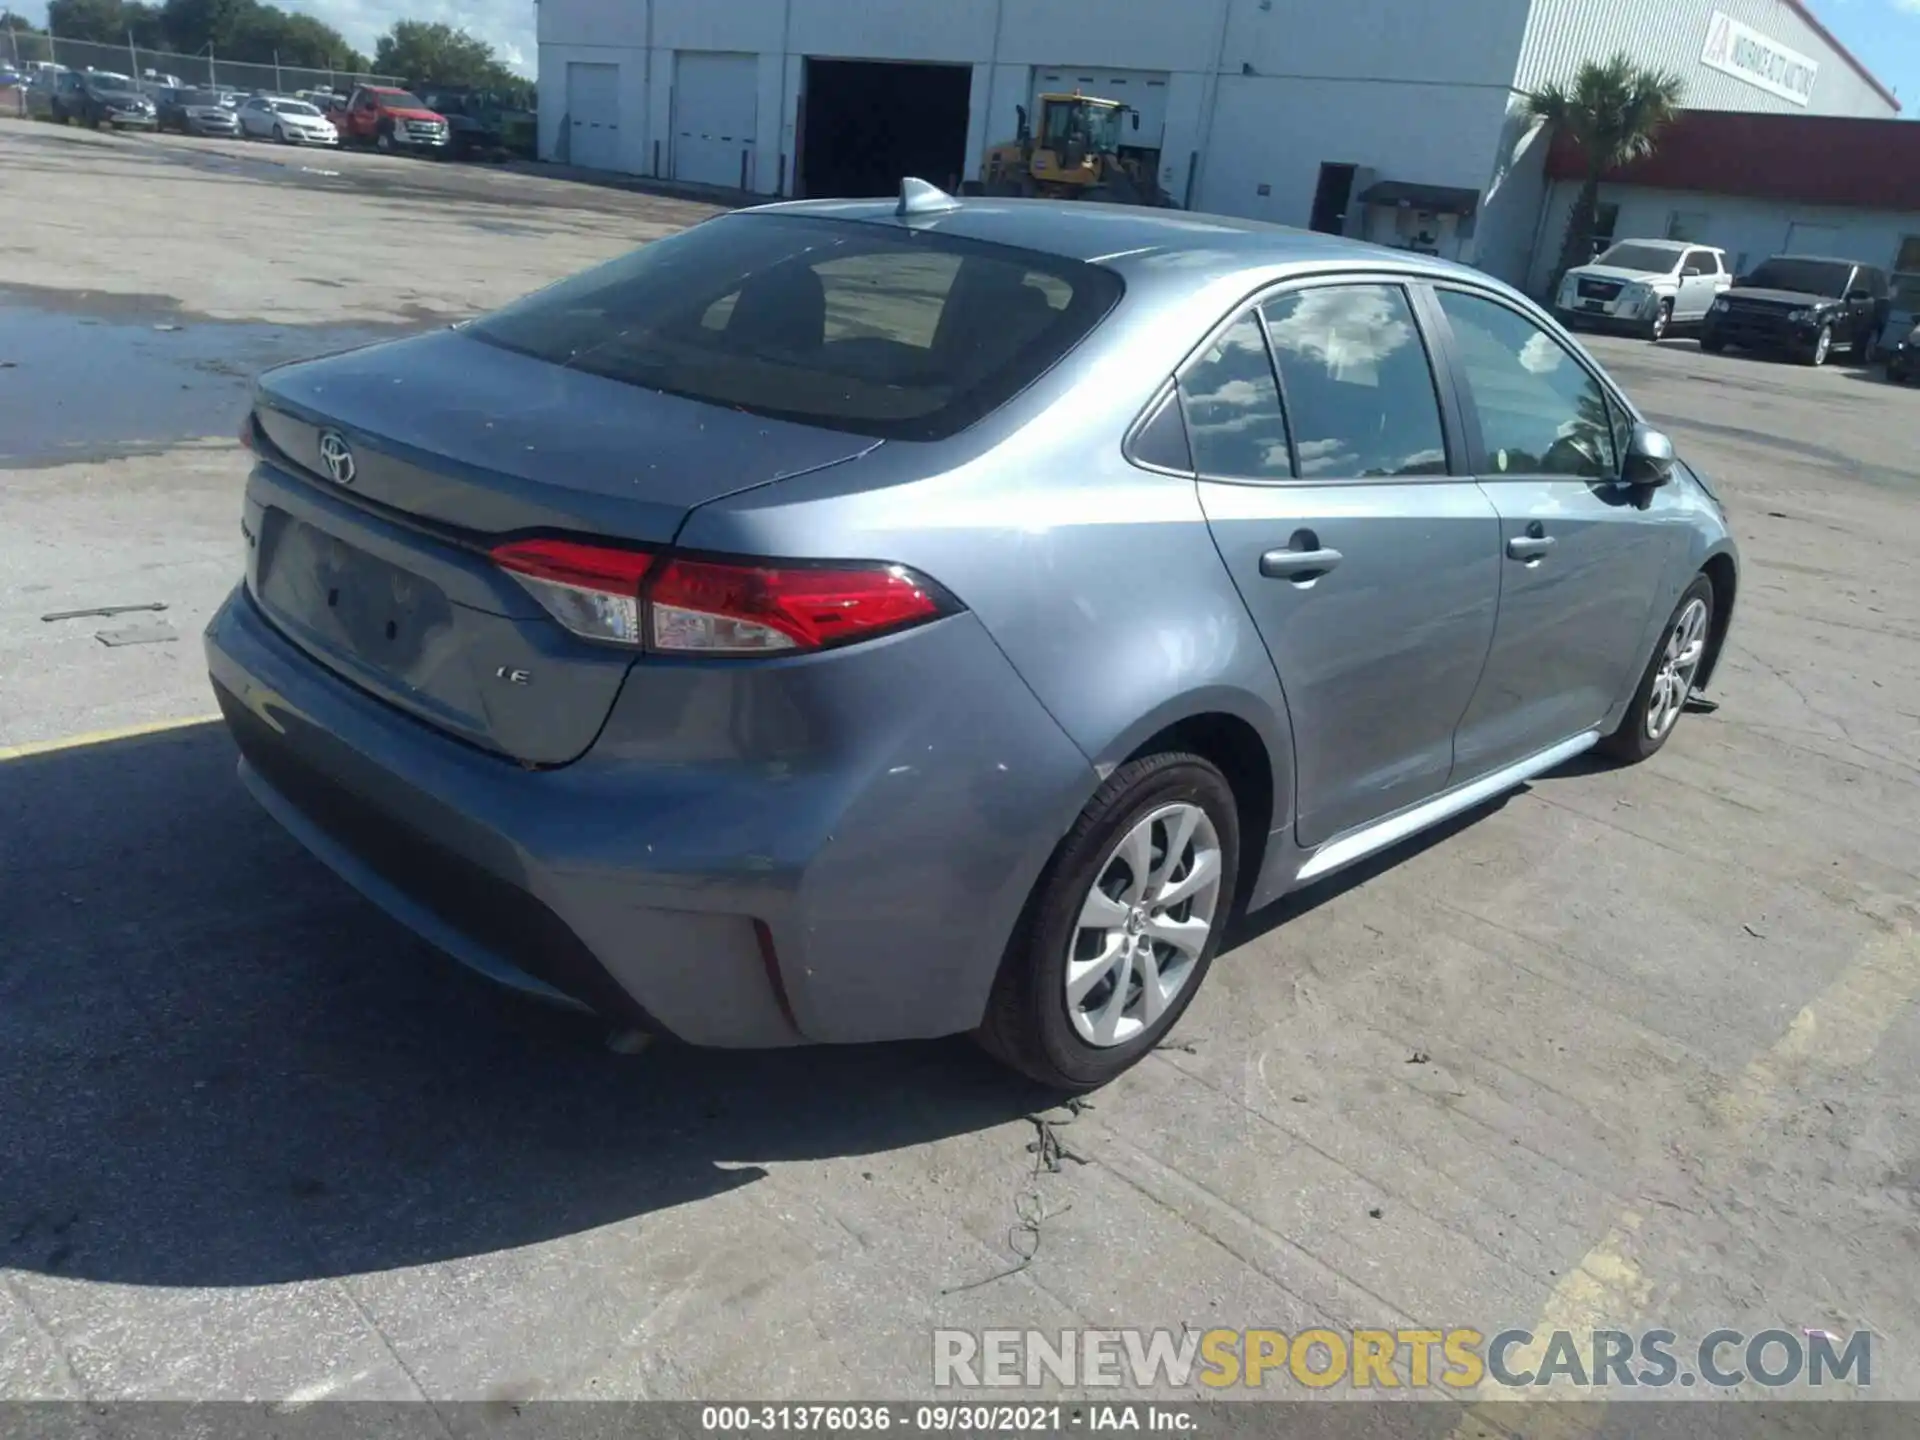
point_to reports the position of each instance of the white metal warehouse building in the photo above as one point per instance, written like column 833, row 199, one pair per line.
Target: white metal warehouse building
column 1397, row 120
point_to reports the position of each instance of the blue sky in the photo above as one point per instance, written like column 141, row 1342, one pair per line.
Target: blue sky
column 1884, row 34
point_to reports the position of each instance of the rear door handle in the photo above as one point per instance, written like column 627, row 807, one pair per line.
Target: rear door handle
column 1529, row 547
column 1298, row 564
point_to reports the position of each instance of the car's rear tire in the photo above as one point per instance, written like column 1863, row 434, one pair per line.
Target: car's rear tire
column 280, row 134
column 1100, row 965
column 1666, row 683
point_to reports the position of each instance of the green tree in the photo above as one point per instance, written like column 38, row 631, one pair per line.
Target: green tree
column 431, row 53
column 103, row 21
column 250, row 31
column 1615, row 111
column 21, row 41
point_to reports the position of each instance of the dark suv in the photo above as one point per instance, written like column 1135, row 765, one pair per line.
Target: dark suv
column 1804, row 306
column 98, row 98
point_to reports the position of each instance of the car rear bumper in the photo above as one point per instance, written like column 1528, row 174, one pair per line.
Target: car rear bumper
column 833, row 849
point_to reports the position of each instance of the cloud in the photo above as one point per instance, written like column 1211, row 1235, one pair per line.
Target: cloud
column 507, row 25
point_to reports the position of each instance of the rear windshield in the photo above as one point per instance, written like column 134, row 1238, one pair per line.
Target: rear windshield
column 1809, row 277
column 895, row 333
column 1629, row 256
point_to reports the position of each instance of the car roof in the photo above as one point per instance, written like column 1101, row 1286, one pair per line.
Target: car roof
column 1823, row 260
column 1126, row 237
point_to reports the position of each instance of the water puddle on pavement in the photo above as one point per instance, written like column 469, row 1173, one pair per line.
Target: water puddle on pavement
column 94, row 377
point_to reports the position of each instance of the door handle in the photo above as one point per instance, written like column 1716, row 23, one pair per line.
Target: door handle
column 1529, row 547
column 1298, row 564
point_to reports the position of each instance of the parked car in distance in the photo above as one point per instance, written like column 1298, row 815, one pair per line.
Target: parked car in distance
column 1804, row 306
column 484, row 123
column 99, row 98
column 1903, row 358
column 195, row 112
column 768, row 668
column 391, row 120
column 1644, row 287
column 291, row 122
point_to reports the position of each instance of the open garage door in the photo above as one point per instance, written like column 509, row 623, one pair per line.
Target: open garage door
column 593, row 116
column 870, row 122
column 716, row 109
column 1144, row 90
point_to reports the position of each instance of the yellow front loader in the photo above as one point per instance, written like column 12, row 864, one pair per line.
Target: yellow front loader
column 1075, row 153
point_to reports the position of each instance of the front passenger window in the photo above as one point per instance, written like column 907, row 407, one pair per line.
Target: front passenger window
column 1540, row 412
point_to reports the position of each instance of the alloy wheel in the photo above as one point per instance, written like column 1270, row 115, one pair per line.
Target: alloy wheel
column 1686, row 643
column 1144, row 924
column 1822, row 343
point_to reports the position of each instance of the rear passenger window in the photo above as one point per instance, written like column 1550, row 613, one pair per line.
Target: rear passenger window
column 1540, row 412
column 1234, row 423
column 1359, row 390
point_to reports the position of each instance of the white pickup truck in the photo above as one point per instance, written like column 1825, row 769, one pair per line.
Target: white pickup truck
column 1644, row 287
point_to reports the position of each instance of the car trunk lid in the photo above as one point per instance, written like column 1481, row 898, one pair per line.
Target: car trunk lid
column 376, row 565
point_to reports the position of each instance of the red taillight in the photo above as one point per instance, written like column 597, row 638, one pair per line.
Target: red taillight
column 699, row 606
column 593, row 590
column 714, row 608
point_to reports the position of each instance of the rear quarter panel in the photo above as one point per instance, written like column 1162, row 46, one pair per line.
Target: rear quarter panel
column 1097, row 579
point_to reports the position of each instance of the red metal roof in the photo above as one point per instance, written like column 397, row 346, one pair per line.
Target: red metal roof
column 1802, row 159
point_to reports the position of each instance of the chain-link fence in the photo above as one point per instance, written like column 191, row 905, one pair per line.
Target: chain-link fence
column 24, row 48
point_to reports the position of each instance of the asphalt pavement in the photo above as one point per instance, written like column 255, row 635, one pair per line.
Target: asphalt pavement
column 1629, row 1047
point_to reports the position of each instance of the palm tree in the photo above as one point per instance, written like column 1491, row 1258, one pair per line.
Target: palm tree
column 1614, row 110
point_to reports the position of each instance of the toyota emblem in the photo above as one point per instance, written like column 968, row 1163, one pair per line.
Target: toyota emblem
column 337, row 456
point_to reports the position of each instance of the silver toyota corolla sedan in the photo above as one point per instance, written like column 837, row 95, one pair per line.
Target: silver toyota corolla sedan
column 849, row 621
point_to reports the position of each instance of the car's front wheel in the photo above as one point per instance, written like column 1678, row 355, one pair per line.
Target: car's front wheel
column 1662, row 318
column 1668, row 680
column 1821, row 348
column 1712, row 343
column 1121, row 928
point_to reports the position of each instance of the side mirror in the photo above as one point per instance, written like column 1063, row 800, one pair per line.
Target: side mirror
column 1649, row 460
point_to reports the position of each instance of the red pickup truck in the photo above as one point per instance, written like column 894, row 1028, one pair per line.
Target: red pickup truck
column 389, row 119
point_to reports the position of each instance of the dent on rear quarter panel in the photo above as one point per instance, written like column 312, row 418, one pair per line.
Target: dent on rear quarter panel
column 1099, row 581
column 884, row 808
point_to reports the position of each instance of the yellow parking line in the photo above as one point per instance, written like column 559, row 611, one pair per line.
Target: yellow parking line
column 1839, row 1029
column 101, row 737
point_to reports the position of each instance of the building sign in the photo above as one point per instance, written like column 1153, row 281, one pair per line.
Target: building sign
column 1744, row 53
